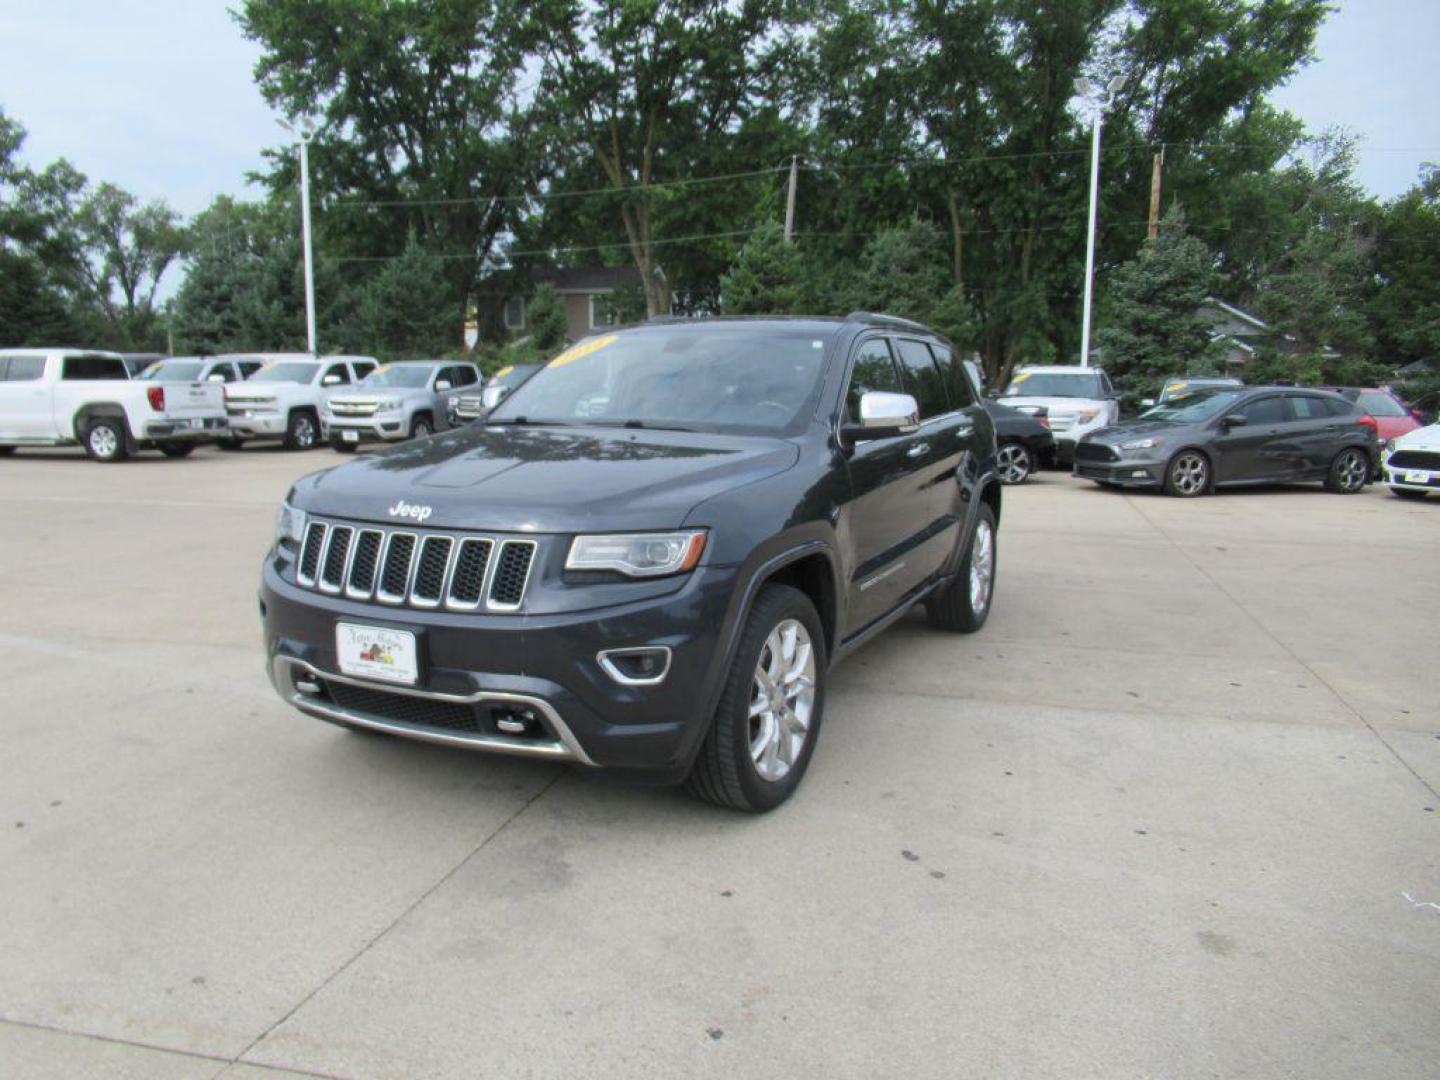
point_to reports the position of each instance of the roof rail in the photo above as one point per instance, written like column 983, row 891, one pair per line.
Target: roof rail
column 877, row 319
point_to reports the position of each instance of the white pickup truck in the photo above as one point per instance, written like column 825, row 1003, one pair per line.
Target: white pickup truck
column 283, row 399
column 61, row 397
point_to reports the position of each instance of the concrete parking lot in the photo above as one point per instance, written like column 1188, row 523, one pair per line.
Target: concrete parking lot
column 1174, row 813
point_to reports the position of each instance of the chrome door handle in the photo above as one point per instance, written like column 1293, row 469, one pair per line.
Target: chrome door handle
column 962, row 430
column 918, row 450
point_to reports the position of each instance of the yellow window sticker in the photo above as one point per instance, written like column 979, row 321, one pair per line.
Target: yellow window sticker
column 381, row 369
column 1178, row 386
column 504, row 371
column 1020, row 378
column 585, row 348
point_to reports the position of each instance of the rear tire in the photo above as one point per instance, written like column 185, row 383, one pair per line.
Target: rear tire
column 1014, row 462
column 1349, row 472
column 177, row 450
column 303, row 431
column 1188, row 475
column 769, row 714
column 105, row 439
column 964, row 604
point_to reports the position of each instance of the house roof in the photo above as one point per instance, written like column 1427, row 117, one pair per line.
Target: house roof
column 1235, row 312
column 586, row 279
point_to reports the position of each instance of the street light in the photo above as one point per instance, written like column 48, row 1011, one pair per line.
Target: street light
column 1099, row 98
column 304, row 135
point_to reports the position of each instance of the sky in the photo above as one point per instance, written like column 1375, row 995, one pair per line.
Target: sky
column 158, row 97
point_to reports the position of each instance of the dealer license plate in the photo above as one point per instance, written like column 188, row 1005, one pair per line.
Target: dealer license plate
column 376, row 652
column 1416, row 476
column 350, row 436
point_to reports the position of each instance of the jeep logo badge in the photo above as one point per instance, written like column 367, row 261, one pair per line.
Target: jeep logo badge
column 404, row 509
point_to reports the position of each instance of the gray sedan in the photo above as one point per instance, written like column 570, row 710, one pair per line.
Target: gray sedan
column 1217, row 437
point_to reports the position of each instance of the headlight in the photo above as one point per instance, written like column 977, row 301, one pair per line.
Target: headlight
column 637, row 554
column 1084, row 416
column 1142, row 444
column 387, row 405
column 290, row 525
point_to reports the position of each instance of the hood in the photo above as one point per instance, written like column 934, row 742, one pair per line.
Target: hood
column 1425, row 438
column 1058, row 406
column 545, row 479
column 1126, row 430
column 361, row 397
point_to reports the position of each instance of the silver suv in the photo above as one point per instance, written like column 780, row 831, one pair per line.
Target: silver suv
column 405, row 400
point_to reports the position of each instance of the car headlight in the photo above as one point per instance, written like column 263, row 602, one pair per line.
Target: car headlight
column 637, row 554
column 1142, row 444
column 387, row 405
column 290, row 525
column 1084, row 416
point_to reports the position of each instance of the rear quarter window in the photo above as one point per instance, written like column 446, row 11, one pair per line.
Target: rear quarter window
column 21, row 368
column 81, row 368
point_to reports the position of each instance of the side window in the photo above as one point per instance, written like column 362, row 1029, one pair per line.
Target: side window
column 957, row 378
column 874, row 370
column 1105, row 387
column 1270, row 410
column 1309, row 408
column 515, row 313
column 93, row 367
column 1339, row 406
column 362, row 368
column 225, row 371
column 922, row 378
column 463, row 375
column 336, row 369
column 249, row 367
column 22, row 368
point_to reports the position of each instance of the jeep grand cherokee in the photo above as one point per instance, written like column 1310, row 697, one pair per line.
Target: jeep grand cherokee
column 650, row 555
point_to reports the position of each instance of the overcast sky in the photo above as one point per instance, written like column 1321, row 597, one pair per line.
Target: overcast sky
column 157, row 96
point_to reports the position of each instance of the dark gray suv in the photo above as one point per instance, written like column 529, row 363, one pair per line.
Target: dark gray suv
column 649, row 556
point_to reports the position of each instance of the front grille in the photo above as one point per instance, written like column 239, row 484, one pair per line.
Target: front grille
column 1415, row 459
column 421, row 569
column 469, row 405
column 1090, row 451
column 405, row 708
column 352, row 408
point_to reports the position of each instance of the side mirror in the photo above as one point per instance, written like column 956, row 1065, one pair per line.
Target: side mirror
column 330, row 380
column 1147, row 403
column 883, row 416
column 492, row 396
column 1233, row 420
column 442, row 384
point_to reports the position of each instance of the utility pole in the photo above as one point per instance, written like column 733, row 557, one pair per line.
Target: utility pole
column 1100, row 100
column 790, row 201
column 304, row 136
column 1154, row 229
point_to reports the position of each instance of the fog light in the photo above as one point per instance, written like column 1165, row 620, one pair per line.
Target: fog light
column 517, row 721
column 1139, row 472
column 644, row 666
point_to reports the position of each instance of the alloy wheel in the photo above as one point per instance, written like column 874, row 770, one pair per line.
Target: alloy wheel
column 1013, row 462
column 982, row 567
column 1190, row 473
column 304, row 432
column 1351, row 470
column 782, row 698
column 103, row 441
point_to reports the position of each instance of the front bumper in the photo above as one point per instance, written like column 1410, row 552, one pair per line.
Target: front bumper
column 476, row 669
column 1410, row 479
column 1126, row 472
column 186, row 429
column 387, row 427
column 258, row 425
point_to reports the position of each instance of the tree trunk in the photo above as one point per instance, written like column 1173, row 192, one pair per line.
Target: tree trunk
column 957, row 241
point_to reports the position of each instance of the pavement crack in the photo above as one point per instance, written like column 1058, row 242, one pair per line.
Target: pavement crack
column 391, row 925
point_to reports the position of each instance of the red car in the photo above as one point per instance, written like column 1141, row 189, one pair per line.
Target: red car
column 1392, row 418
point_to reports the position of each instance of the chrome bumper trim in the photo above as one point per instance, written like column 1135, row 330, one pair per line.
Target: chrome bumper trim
column 567, row 748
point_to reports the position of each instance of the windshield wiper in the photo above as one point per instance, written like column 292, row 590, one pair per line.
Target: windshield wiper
column 642, row 425
column 525, row 421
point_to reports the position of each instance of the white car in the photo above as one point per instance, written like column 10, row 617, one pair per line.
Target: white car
column 1078, row 400
column 1411, row 464
column 61, row 397
column 218, row 369
column 283, row 400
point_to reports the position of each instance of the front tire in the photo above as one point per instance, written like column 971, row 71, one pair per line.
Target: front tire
column 764, row 729
column 177, row 450
column 422, row 427
column 105, row 439
column 302, row 432
column 1188, row 475
column 1348, row 472
column 1014, row 463
column 965, row 603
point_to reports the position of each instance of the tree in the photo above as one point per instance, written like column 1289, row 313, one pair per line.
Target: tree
column 767, row 277
column 1404, row 310
column 903, row 272
column 406, row 309
column 545, row 317
column 1153, row 325
column 128, row 248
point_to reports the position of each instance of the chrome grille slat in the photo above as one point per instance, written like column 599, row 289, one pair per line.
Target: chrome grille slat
column 416, row 568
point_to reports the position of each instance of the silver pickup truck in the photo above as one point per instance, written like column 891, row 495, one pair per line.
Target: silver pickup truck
column 405, row 400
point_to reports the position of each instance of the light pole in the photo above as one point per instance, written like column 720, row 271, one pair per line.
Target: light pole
column 1100, row 99
column 303, row 136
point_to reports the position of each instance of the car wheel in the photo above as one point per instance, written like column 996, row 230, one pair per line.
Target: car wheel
column 301, row 433
column 6, row 451
column 177, row 450
column 1187, row 475
column 1406, row 493
column 764, row 729
column 343, row 447
column 964, row 604
column 230, row 442
column 105, row 439
column 1348, row 472
column 422, row 426
column 1014, row 463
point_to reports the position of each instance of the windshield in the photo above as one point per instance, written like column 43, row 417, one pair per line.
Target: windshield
column 1378, row 404
column 406, row 376
column 1082, row 384
column 174, row 371
column 1179, row 386
column 689, row 377
column 1191, row 407
column 301, row 373
column 512, row 376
